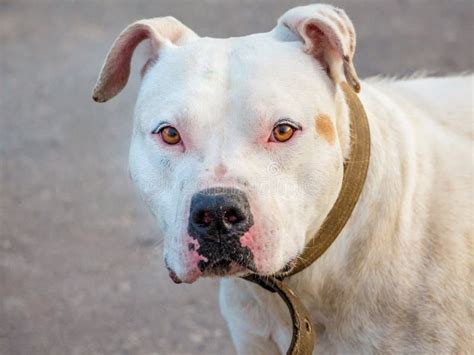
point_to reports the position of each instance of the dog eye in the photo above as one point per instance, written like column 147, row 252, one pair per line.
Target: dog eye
column 169, row 135
column 283, row 132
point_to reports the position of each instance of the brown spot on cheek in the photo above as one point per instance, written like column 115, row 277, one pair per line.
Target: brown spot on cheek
column 325, row 128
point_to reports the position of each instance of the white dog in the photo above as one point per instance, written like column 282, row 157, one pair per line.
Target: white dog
column 238, row 149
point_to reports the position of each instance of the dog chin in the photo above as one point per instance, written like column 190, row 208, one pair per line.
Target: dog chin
column 218, row 269
column 226, row 269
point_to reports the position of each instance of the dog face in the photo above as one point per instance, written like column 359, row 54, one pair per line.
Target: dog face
column 228, row 100
column 236, row 146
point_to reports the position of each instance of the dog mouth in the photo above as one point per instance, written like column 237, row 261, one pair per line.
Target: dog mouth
column 229, row 266
column 225, row 267
column 217, row 268
column 220, row 267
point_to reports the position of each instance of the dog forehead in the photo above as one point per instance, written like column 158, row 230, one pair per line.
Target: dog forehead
column 214, row 78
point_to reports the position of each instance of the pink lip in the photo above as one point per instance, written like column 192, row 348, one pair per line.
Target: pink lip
column 192, row 277
column 195, row 274
column 188, row 278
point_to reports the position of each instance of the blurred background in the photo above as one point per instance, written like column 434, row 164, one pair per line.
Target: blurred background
column 80, row 272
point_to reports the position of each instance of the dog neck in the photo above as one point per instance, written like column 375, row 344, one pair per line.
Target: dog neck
column 341, row 284
column 355, row 172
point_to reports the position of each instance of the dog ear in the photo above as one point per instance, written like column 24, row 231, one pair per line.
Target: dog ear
column 116, row 68
column 329, row 35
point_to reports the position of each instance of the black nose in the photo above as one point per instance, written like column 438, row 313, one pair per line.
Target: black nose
column 219, row 213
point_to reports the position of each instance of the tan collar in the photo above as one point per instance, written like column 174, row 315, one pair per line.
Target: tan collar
column 355, row 173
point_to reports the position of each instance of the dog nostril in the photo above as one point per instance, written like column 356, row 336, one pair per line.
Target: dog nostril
column 233, row 216
column 216, row 212
column 203, row 218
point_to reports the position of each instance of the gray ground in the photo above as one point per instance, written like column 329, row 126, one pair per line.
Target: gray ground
column 78, row 271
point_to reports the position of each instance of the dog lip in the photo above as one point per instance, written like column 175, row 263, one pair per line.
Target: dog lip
column 219, row 267
column 225, row 267
column 174, row 277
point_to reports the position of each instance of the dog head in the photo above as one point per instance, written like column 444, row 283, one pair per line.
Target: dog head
column 238, row 144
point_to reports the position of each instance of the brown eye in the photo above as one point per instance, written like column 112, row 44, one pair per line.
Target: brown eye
column 170, row 135
column 283, row 132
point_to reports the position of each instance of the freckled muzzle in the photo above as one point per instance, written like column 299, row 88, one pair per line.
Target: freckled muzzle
column 218, row 218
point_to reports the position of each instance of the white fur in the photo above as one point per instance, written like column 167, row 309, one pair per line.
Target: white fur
column 397, row 278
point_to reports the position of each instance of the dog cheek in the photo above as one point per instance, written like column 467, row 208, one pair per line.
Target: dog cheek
column 249, row 240
column 186, row 259
column 193, row 258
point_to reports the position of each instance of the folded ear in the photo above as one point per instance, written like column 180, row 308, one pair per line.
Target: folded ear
column 116, row 69
column 329, row 35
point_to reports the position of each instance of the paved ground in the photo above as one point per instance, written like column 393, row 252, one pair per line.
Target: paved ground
column 78, row 271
